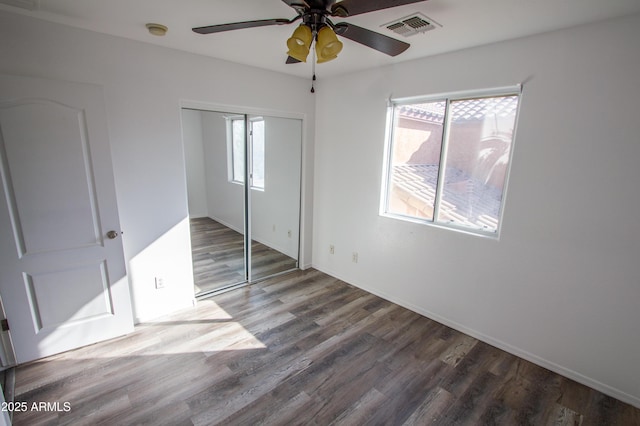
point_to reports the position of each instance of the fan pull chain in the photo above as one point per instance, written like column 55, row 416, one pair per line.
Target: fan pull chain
column 313, row 70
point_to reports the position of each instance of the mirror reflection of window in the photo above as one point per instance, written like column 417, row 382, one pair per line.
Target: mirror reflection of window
column 237, row 146
column 257, row 153
column 237, row 152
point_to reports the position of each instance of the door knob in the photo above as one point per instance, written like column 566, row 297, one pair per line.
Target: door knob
column 112, row 235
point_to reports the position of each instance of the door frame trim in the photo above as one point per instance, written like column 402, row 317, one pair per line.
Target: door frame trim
column 7, row 354
column 246, row 112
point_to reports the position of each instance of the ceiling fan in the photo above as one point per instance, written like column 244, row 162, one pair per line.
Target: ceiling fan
column 317, row 26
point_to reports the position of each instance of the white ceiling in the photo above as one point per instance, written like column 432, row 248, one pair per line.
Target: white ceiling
column 464, row 23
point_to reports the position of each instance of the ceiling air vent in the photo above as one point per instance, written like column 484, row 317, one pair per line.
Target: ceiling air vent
column 411, row 25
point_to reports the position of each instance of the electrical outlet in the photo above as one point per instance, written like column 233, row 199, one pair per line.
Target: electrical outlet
column 274, row 227
column 354, row 257
column 289, row 233
column 159, row 283
column 332, row 249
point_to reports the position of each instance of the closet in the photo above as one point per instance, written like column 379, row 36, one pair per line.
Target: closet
column 243, row 185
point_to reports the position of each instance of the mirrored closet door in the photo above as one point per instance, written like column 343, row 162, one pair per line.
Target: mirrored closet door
column 274, row 204
column 243, row 182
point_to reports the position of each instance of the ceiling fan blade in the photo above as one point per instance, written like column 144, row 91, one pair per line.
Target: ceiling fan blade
column 356, row 7
column 294, row 3
column 291, row 60
column 240, row 25
column 372, row 39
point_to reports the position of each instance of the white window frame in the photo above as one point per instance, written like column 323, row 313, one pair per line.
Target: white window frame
column 252, row 156
column 231, row 150
column 232, row 178
column 393, row 103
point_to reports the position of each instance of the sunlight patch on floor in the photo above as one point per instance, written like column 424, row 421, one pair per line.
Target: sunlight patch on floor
column 209, row 328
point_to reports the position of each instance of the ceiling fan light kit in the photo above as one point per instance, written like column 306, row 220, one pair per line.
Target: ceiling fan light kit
column 316, row 23
column 300, row 42
column 327, row 45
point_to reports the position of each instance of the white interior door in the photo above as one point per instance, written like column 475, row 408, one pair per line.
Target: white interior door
column 62, row 274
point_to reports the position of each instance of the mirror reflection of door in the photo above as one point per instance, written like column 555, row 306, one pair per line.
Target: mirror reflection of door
column 216, row 197
column 275, row 155
column 219, row 209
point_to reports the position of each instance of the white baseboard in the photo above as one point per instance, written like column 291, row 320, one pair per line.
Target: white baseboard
column 174, row 310
column 228, row 225
column 258, row 239
column 556, row 368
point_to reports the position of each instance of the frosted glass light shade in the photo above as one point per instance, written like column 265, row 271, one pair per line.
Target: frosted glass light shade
column 299, row 43
column 327, row 45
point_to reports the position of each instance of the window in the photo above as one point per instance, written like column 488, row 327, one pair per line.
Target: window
column 257, row 150
column 448, row 159
column 236, row 147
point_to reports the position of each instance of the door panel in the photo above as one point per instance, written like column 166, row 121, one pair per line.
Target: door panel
column 63, row 282
column 214, row 160
column 246, row 169
column 36, row 189
column 275, row 148
column 86, row 285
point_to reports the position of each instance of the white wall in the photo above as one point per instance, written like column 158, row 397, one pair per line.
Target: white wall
column 274, row 211
column 194, row 162
column 144, row 86
column 562, row 286
column 225, row 200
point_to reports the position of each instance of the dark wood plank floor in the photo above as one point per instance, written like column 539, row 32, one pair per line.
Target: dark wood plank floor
column 304, row 348
column 218, row 256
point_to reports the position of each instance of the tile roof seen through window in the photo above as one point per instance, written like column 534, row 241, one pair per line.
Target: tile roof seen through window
column 461, row 110
column 474, row 204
